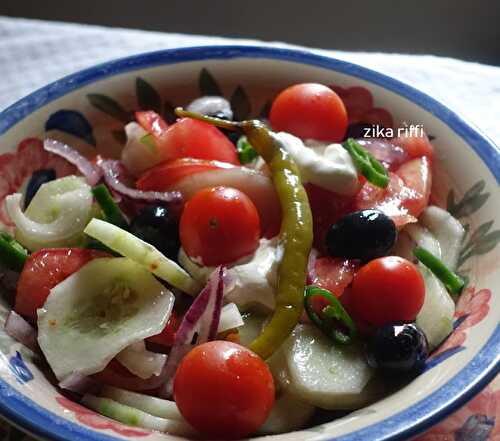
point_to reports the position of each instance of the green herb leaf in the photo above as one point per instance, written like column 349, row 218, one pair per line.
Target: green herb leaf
column 207, row 84
column 246, row 152
column 147, row 97
column 366, row 164
column 334, row 321
column 240, row 104
column 12, row 253
column 109, row 106
column 452, row 281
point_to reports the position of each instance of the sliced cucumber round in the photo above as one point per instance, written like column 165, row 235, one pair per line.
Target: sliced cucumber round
column 143, row 253
column 97, row 312
column 55, row 217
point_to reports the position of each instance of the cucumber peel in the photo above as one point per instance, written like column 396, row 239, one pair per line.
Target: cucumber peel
column 143, row 253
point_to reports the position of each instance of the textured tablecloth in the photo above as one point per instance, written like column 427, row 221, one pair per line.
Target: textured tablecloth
column 34, row 53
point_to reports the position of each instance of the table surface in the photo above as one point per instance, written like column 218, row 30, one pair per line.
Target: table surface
column 34, row 53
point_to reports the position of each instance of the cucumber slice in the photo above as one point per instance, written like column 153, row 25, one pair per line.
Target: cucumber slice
column 288, row 413
column 422, row 237
column 447, row 230
column 436, row 316
column 152, row 405
column 55, row 217
column 323, row 374
column 97, row 312
column 143, row 253
column 135, row 417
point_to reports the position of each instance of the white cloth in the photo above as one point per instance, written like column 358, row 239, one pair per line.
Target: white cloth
column 34, row 53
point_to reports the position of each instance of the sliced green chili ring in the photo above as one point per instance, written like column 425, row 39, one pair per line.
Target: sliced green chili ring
column 12, row 253
column 246, row 152
column 367, row 165
column 333, row 313
column 109, row 207
column 453, row 282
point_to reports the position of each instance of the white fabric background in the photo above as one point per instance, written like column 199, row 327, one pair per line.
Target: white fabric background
column 34, row 53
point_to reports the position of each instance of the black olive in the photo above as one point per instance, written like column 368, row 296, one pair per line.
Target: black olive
column 155, row 225
column 365, row 235
column 398, row 349
column 38, row 178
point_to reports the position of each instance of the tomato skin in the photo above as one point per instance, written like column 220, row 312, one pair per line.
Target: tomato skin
column 45, row 269
column 219, row 225
column 224, row 390
column 334, row 274
column 196, row 139
column 310, row 110
column 415, row 146
column 386, row 290
column 163, row 176
column 153, row 123
column 167, row 336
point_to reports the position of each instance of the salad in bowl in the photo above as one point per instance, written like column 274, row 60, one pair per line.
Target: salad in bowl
column 224, row 276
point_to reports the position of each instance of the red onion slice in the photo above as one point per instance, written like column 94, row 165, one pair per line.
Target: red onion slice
column 92, row 173
column 117, row 178
column 203, row 318
column 20, row 330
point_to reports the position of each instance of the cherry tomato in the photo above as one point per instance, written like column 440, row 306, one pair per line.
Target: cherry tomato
column 219, row 225
column 167, row 336
column 386, row 290
column 334, row 274
column 163, row 176
column 224, row 390
column 45, row 269
column 310, row 110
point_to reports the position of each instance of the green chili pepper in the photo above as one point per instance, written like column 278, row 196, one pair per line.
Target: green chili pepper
column 366, row 164
column 332, row 317
column 12, row 253
column 109, row 207
column 149, row 141
column 453, row 282
column 246, row 152
column 296, row 230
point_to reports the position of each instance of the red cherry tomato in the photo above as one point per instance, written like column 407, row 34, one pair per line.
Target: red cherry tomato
column 45, row 269
column 167, row 336
column 385, row 290
column 310, row 110
column 219, row 225
column 224, row 390
column 163, row 176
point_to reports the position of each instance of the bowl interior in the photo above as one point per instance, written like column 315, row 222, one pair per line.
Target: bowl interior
column 88, row 111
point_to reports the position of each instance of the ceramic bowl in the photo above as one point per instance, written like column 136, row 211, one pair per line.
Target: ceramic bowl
column 88, row 110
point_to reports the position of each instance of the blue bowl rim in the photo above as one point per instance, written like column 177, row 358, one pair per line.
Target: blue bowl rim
column 485, row 365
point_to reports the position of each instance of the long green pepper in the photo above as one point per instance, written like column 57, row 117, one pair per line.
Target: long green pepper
column 296, row 233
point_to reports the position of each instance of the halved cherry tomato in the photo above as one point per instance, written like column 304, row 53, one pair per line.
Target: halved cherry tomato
column 219, row 225
column 406, row 195
column 153, row 123
column 167, row 336
column 163, row 176
column 334, row 274
column 415, row 146
column 45, row 269
column 386, row 290
column 310, row 110
column 224, row 390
